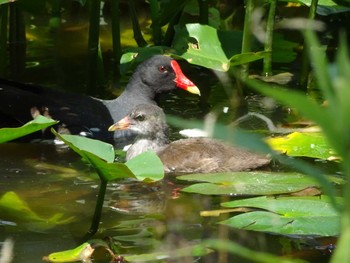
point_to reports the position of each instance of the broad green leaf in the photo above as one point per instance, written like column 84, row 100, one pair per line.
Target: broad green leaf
column 108, row 171
column 83, row 145
column 13, row 208
column 312, row 145
column 100, row 155
column 205, row 46
column 189, row 251
column 249, row 183
column 287, row 215
column 39, row 123
column 146, row 167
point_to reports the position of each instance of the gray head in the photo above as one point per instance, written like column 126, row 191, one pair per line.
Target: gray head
column 145, row 120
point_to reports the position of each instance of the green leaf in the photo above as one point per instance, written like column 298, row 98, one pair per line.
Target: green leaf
column 146, row 167
column 287, row 215
column 13, row 208
column 314, row 145
column 249, row 183
column 81, row 253
column 83, row 145
column 100, row 155
column 205, row 46
column 39, row 123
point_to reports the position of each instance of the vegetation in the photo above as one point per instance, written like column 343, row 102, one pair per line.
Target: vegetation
column 213, row 44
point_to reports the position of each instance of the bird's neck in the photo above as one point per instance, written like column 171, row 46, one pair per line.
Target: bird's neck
column 137, row 85
column 142, row 144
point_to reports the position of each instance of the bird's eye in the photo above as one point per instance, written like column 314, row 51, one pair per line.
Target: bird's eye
column 162, row 69
column 140, row 117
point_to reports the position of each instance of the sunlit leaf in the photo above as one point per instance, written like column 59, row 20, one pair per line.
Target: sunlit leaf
column 249, row 183
column 81, row 253
column 205, row 46
column 312, row 145
column 13, row 208
column 146, row 167
column 82, row 144
column 287, row 215
column 39, row 123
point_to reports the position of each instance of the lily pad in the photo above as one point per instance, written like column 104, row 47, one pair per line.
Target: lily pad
column 287, row 215
column 39, row 123
column 250, row 183
column 312, row 145
column 13, row 208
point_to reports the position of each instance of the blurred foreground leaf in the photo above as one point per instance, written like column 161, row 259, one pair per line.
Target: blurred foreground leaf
column 13, row 208
column 39, row 123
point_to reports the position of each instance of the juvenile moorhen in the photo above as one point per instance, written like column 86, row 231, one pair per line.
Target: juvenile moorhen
column 79, row 114
column 193, row 155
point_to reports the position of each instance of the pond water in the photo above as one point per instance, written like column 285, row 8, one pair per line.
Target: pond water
column 143, row 217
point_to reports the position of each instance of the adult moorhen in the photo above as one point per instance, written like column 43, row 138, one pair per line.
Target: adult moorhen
column 80, row 114
column 193, row 155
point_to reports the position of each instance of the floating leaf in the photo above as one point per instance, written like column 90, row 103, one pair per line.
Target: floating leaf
column 287, row 215
column 313, row 145
column 39, row 123
column 13, row 208
column 250, row 183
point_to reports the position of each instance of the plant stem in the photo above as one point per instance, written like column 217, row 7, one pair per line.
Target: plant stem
column 203, row 12
column 267, row 69
column 17, row 41
column 156, row 29
column 94, row 67
column 141, row 42
column 170, row 32
column 304, row 74
column 117, row 49
column 247, row 36
column 98, row 209
column 4, row 9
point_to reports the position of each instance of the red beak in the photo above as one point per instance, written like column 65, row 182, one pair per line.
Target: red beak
column 182, row 81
